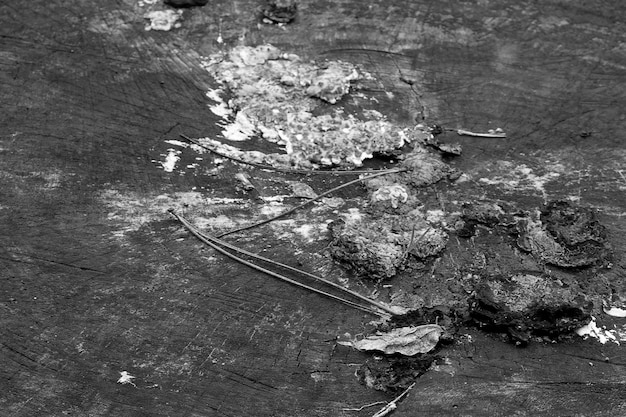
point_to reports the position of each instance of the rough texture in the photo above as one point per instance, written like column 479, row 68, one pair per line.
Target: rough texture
column 376, row 247
column 280, row 11
column 393, row 373
column 525, row 305
column 565, row 235
column 97, row 280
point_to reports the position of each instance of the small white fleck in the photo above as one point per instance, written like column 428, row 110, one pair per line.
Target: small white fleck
column 126, row 378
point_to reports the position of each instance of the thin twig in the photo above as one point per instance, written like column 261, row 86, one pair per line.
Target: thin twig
column 392, row 405
column 376, row 308
column 278, row 169
column 363, row 407
column 408, row 247
column 306, row 203
column 480, row 135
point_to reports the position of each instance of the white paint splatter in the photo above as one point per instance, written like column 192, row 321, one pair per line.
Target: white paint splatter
column 221, row 108
column 240, row 129
column 601, row 333
column 126, row 378
column 170, row 160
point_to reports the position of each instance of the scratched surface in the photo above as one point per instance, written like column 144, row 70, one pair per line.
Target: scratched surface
column 95, row 279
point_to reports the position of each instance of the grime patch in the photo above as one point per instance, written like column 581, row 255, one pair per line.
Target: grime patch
column 378, row 244
column 565, row 235
column 527, row 305
column 393, row 374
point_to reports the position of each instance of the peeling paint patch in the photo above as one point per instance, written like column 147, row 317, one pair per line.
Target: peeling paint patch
column 276, row 95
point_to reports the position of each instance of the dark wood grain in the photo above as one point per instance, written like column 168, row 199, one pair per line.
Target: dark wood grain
column 88, row 289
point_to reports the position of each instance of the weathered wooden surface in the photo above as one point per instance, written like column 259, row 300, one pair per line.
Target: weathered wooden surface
column 96, row 279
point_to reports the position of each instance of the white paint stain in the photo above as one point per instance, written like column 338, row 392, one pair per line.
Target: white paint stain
column 170, row 160
column 602, row 333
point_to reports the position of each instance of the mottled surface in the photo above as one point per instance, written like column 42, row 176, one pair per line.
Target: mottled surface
column 95, row 279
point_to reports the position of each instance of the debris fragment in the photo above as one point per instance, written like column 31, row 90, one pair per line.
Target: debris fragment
column 332, row 82
column 376, row 248
column 445, row 148
column 497, row 133
column 395, row 194
column 394, row 373
column 408, row 341
column 565, row 235
column 302, row 190
column 368, row 249
column 526, row 305
column 244, row 181
column 279, row 11
column 126, row 378
column 185, row 3
column 393, row 404
column 483, row 213
column 333, row 202
column 163, row 20
column 423, row 168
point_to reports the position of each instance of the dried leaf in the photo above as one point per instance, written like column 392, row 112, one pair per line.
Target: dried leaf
column 406, row 341
column 302, row 190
